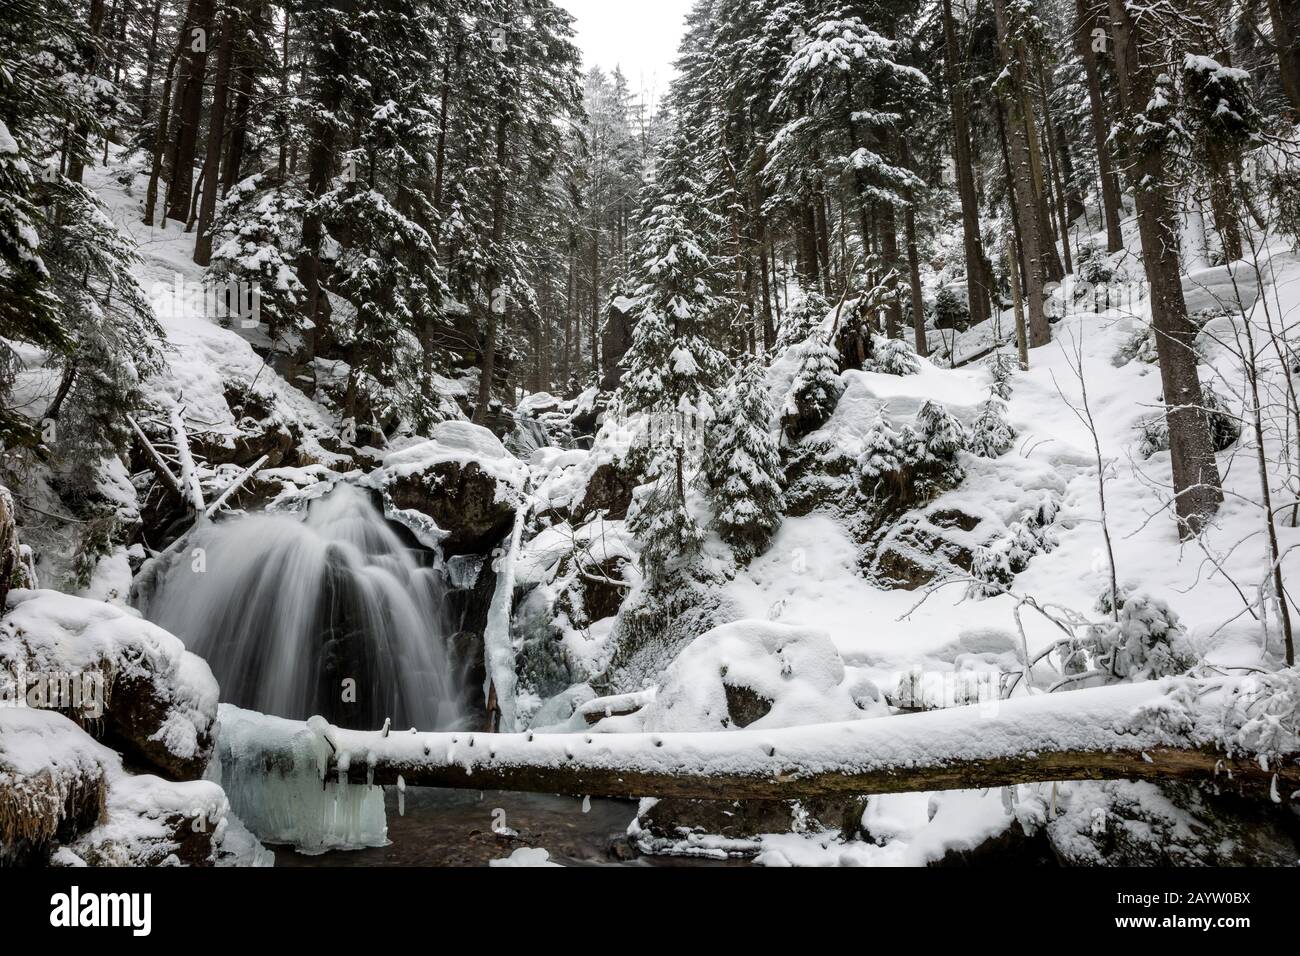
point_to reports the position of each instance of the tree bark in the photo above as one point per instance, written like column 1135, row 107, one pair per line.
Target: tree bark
column 1285, row 17
column 1195, row 470
column 216, row 133
column 90, row 63
column 189, row 107
column 487, row 361
column 979, row 281
column 1112, row 209
column 1029, row 219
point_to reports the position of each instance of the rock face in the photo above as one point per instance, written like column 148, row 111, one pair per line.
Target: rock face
column 463, row 481
column 926, row 547
column 462, row 499
column 127, row 681
column 52, row 784
column 617, row 340
column 609, row 490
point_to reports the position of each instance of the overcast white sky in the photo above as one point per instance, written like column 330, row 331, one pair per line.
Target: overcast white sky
column 641, row 36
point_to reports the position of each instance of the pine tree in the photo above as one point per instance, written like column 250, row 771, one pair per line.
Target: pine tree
column 256, row 232
column 673, row 368
column 802, row 320
column 815, row 391
column 893, row 357
column 991, row 435
column 743, row 464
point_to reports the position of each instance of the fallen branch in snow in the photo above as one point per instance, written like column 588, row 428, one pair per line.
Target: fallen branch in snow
column 156, row 460
column 189, row 479
column 1145, row 731
column 234, row 486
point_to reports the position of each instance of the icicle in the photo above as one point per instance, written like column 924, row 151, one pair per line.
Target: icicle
column 1272, row 790
column 401, row 796
column 586, row 804
column 498, row 644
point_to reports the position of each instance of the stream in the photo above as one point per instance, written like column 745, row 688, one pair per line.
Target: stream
column 454, row 828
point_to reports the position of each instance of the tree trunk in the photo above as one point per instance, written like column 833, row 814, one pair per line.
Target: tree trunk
column 334, row 60
column 1195, row 470
column 248, row 60
column 216, row 133
column 90, row 63
column 979, row 283
column 487, row 361
column 913, row 258
column 1285, row 17
column 1112, row 209
column 160, row 135
column 150, row 58
column 196, row 35
column 1029, row 221
column 1017, row 741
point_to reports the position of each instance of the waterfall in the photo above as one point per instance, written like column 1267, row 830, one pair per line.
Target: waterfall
column 327, row 613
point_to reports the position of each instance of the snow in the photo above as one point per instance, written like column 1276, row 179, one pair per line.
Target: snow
column 1136, row 716
column 46, row 631
column 140, row 812
column 459, row 442
column 525, row 857
column 796, row 668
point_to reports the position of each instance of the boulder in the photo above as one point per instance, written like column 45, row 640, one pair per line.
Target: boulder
column 609, row 490
column 53, row 783
column 673, row 826
column 759, row 674
column 923, row 548
column 1124, row 823
column 127, row 681
column 462, row 481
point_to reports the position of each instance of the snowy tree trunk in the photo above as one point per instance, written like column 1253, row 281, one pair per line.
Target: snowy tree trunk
column 1110, row 191
column 1073, row 735
column 1028, row 221
column 1195, row 470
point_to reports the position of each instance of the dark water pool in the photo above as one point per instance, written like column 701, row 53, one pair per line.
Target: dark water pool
column 455, row 828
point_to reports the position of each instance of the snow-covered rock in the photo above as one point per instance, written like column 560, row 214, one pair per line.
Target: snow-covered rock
column 759, row 674
column 66, row 798
column 155, row 699
column 457, row 491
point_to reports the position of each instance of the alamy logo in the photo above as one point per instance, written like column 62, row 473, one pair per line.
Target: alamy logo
column 75, row 909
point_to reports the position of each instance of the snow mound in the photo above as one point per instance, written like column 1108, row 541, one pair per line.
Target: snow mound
column 525, row 856
column 461, row 443
column 759, row 674
column 156, row 695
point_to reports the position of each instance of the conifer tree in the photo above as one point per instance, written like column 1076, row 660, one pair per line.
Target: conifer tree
column 815, row 391
column 743, row 464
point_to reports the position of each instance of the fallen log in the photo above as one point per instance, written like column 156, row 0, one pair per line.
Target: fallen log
column 1120, row 732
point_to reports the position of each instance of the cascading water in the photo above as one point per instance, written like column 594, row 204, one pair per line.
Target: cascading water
column 330, row 613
